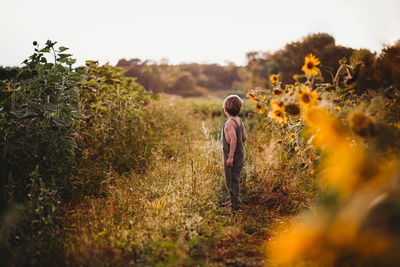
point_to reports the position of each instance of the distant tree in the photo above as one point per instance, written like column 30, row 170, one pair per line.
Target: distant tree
column 286, row 61
column 388, row 66
column 184, row 85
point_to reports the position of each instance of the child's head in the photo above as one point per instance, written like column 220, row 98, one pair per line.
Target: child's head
column 232, row 105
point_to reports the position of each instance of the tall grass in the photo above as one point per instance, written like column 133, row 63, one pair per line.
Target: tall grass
column 171, row 213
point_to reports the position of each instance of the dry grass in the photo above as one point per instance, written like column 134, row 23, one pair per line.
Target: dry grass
column 171, row 213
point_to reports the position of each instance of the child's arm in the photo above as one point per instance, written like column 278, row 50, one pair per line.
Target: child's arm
column 244, row 134
column 232, row 134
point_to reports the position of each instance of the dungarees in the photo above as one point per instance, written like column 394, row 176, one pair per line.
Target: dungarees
column 232, row 175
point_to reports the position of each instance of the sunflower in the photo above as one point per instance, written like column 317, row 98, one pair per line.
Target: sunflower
column 338, row 108
column 273, row 78
column 261, row 108
column 292, row 135
column 278, row 114
column 8, row 88
column 276, row 104
column 252, row 97
column 277, row 92
column 310, row 63
column 292, row 109
column 307, row 98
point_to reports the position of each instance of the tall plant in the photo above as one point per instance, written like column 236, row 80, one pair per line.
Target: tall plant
column 38, row 114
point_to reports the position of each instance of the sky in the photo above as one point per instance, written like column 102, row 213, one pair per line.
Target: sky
column 202, row 31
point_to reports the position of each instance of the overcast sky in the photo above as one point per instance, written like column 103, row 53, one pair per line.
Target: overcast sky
column 203, row 31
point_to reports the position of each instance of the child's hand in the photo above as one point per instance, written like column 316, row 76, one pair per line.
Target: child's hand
column 229, row 162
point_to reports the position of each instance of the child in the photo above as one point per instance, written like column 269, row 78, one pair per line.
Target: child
column 233, row 135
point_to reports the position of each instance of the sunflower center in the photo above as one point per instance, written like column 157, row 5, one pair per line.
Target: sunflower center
column 310, row 65
column 306, row 98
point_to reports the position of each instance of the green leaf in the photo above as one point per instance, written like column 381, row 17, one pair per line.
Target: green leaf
column 45, row 50
column 72, row 61
column 63, row 48
column 64, row 55
column 50, row 107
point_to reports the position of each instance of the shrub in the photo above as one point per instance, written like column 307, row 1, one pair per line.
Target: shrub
column 38, row 111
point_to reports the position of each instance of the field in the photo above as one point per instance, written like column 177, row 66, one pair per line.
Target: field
column 97, row 171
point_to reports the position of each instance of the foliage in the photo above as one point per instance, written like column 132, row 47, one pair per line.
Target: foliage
column 38, row 113
column 115, row 133
column 379, row 71
column 355, row 220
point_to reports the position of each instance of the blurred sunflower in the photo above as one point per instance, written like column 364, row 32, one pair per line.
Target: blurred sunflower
column 307, row 98
column 338, row 108
column 261, row 108
column 278, row 114
column 277, row 92
column 276, row 104
column 8, row 88
column 310, row 65
column 292, row 109
column 292, row 135
column 252, row 97
column 273, row 78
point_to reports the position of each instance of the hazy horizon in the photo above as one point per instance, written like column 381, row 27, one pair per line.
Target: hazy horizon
column 187, row 31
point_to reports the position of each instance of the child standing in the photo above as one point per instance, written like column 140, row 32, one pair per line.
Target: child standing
column 233, row 136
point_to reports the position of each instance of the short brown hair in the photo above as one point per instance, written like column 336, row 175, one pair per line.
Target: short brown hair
column 233, row 104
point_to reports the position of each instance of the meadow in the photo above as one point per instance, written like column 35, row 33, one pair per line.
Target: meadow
column 97, row 171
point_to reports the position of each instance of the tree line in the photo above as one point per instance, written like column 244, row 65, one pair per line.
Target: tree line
column 374, row 70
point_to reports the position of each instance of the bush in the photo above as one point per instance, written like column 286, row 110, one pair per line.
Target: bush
column 38, row 111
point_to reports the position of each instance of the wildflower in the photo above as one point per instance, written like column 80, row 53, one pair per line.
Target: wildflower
column 292, row 135
column 338, row 108
column 273, row 78
column 264, row 97
column 292, row 109
column 361, row 124
column 8, row 88
column 277, row 92
column 307, row 98
column 252, row 97
column 310, row 63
